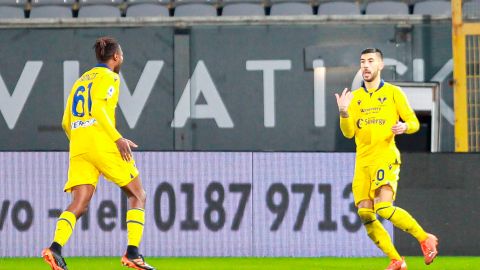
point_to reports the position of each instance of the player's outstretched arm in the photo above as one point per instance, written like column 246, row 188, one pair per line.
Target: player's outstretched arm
column 346, row 122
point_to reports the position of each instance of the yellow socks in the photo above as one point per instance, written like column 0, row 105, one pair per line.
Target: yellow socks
column 377, row 233
column 65, row 225
column 135, row 221
column 401, row 219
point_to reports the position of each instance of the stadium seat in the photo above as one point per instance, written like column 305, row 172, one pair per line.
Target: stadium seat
column 15, row 3
column 433, row 7
column 99, row 8
column 10, row 9
column 339, row 8
column 51, row 9
column 147, row 9
column 243, row 9
column 387, row 8
column 195, row 9
column 291, row 8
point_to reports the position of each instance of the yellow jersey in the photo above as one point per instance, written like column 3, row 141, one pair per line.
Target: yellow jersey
column 89, row 116
column 372, row 114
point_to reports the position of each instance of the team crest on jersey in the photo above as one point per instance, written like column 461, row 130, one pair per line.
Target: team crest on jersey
column 382, row 99
column 110, row 92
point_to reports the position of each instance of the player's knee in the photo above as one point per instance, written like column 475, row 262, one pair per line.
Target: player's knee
column 385, row 210
column 366, row 215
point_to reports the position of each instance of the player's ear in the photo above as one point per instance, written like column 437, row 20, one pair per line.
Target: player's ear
column 381, row 65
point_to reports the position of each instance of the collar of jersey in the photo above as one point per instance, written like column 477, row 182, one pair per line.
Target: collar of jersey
column 102, row 65
column 382, row 82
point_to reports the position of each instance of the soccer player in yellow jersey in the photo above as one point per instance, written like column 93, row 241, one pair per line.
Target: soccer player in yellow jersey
column 372, row 115
column 96, row 147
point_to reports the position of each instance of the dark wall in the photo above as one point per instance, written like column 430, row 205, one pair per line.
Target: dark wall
column 442, row 191
column 218, row 58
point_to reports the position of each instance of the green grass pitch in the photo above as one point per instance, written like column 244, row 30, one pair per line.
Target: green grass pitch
column 94, row 263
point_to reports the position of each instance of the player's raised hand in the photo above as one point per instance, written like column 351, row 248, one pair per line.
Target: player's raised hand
column 124, row 146
column 343, row 100
column 399, row 128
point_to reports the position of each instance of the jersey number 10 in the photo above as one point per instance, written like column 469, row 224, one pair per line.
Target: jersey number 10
column 78, row 97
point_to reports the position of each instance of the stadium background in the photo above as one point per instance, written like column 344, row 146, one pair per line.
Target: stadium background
column 233, row 100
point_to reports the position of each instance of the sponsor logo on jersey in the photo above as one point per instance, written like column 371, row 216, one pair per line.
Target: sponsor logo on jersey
column 82, row 124
column 370, row 110
column 370, row 121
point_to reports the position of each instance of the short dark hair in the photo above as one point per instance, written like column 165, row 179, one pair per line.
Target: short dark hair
column 105, row 48
column 372, row 50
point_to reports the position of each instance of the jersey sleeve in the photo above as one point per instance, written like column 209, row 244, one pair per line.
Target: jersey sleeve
column 101, row 92
column 347, row 125
column 66, row 119
column 406, row 112
column 104, row 88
